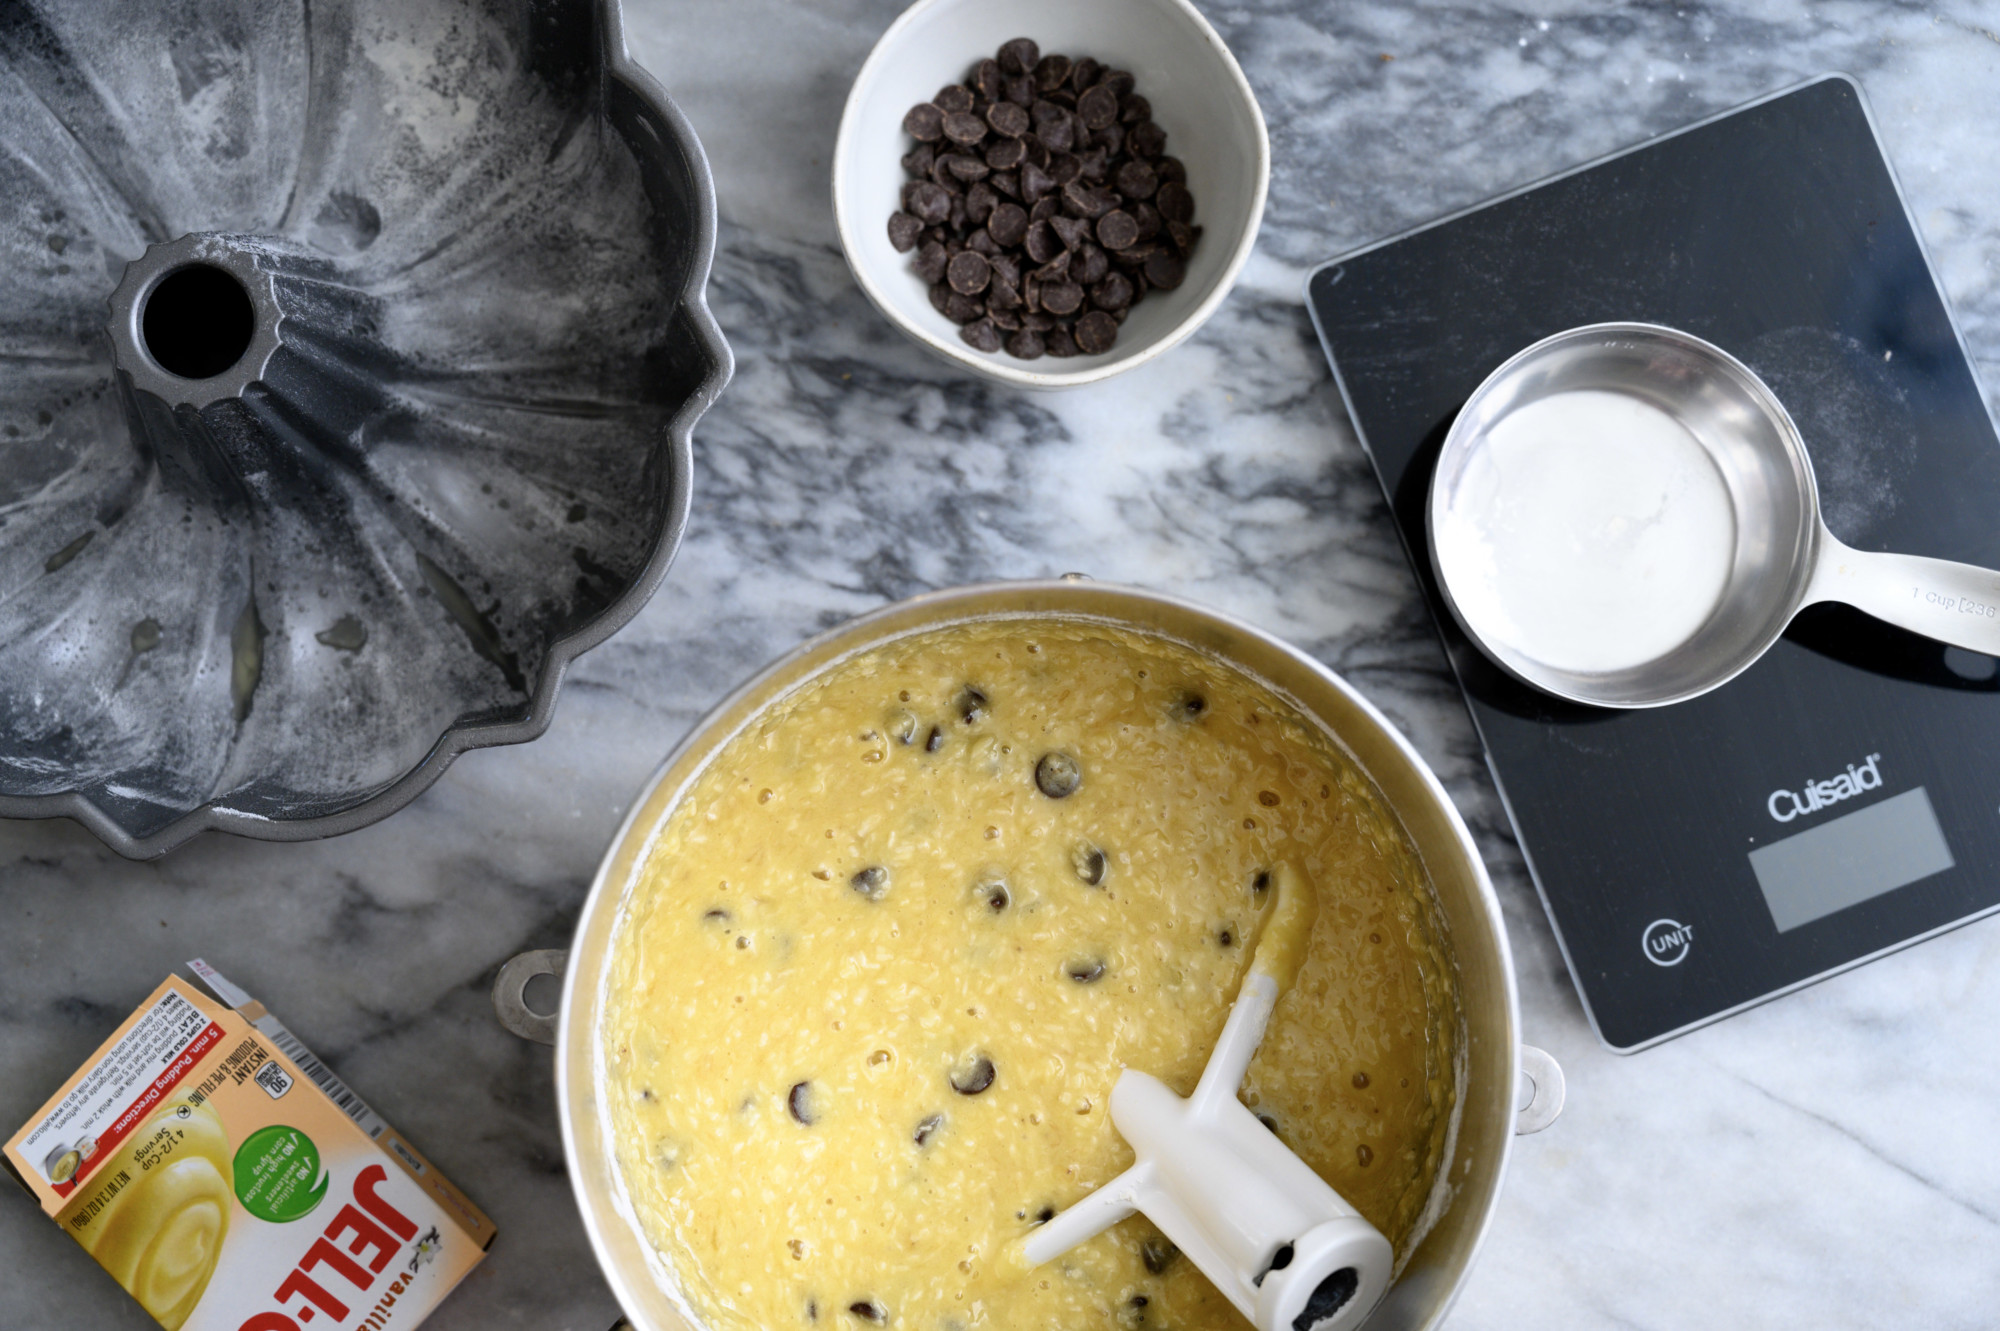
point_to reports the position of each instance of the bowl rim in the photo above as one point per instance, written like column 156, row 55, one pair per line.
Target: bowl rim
column 1006, row 371
column 712, row 351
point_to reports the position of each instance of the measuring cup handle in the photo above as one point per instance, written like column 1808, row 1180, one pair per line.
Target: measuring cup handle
column 1953, row 603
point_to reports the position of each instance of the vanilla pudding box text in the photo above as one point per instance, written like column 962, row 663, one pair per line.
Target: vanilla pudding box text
column 230, row 1182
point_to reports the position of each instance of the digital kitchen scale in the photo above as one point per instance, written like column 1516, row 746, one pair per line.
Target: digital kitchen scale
column 1840, row 799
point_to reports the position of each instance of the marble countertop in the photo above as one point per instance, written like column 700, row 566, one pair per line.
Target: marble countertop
column 1824, row 1160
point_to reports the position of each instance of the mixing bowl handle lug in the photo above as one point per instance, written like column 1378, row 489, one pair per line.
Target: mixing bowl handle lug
column 1547, row 1101
column 510, row 993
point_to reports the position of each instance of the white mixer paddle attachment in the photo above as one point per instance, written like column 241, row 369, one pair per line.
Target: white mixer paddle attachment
column 1284, row 1247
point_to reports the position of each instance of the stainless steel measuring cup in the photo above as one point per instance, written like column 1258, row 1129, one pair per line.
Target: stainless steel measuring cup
column 1784, row 557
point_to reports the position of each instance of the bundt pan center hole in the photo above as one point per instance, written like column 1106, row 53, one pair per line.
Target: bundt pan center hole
column 198, row 321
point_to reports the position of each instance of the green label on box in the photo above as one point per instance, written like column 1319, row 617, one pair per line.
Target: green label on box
column 275, row 1173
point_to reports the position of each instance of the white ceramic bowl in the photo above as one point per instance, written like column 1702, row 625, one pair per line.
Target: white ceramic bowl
column 1199, row 97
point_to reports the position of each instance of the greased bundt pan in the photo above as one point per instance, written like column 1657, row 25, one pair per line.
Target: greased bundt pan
column 348, row 359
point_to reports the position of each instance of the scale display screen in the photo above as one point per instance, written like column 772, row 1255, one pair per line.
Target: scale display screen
column 1856, row 857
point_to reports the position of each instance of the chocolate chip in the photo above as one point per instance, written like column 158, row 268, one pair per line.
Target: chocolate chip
column 1006, row 119
column 1021, row 89
column 1008, row 224
column 1165, row 271
column 1149, row 219
column 996, row 895
column 981, row 335
column 1146, row 139
column 1059, row 342
column 1051, row 72
column 1005, row 154
column 1174, row 202
column 1097, row 107
column 929, row 202
column 1112, row 294
column 924, row 123
column 1133, row 108
column 965, row 167
column 964, row 127
column 1158, row 1255
column 1226, row 936
column 961, row 308
column 1120, row 81
column 1086, row 200
column 1057, row 775
column 968, row 273
column 972, row 705
column 1136, row 180
column 1116, row 230
column 1091, row 263
column 1043, row 243
column 868, row 1311
column 1046, row 1214
column 800, row 1102
column 927, row 1128
column 1084, row 73
column 1026, row 345
column 980, row 201
column 1003, row 181
column 1057, row 132
column 1187, row 706
column 1095, row 332
column 1065, row 167
column 953, row 97
column 1088, row 862
column 1020, row 55
column 1085, row 970
column 1035, row 182
column 1063, row 297
column 1171, row 168
column 1112, row 139
column 972, row 1076
column 919, row 160
column 989, row 80
column 1260, row 884
column 1044, row 208
column 715, row 915
column 871, row 882
column 935, row 741
column 1182, row 236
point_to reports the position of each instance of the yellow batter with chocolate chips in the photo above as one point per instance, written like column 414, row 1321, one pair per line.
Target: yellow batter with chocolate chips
column 894, row 946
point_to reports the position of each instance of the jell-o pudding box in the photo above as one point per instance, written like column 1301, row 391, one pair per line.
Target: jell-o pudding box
column 230, row 1182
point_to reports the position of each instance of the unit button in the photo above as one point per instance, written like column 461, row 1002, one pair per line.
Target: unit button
column 1667, row 942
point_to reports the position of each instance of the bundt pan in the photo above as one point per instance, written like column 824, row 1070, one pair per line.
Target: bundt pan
column 348, row 358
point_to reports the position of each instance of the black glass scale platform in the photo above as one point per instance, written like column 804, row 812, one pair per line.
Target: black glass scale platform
column 1841, row 799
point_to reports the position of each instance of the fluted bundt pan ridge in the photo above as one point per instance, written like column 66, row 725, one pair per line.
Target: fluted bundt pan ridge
column 348, row 359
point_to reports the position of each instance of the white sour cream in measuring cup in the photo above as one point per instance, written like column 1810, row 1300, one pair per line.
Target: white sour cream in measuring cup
column 1590, row 531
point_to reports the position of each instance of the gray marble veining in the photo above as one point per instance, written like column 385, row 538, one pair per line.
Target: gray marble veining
column 1824, row 1160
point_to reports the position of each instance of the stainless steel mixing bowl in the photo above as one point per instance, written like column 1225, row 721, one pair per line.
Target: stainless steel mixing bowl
column 1491, row 1059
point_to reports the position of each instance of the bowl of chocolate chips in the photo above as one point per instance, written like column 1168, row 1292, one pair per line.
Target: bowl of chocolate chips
column 1047, row 193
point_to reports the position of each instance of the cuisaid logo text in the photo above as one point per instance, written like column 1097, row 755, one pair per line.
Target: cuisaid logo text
column 1786, row 805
